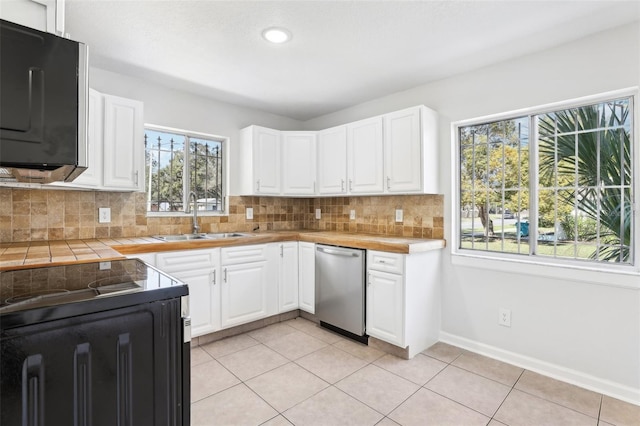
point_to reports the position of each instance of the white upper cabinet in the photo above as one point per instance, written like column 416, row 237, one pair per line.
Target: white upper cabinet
column 123, row 144
column 365, row 156
column 332, row 161
column 115, row 146
column 299, row 163
column 43, row 15
column 259, row 161
column 410, row 151
column 92, row 176
column 394, row 153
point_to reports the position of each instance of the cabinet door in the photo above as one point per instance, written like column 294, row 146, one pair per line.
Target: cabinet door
column 43, row 15
column 365, row 156
column 403, row 151
column 307, row 276
column 332, row 161
column 298, row 163
column 244, row 293
column 200, row 269
column 123, row 143
column 288, row 279
column 266, row 160
column 385, row 307
column 93, row 175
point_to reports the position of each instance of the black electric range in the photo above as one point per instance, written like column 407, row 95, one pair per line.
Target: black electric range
column 98, row 343
column 33, row 295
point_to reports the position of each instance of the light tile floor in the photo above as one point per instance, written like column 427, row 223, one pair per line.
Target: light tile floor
column 297, row 373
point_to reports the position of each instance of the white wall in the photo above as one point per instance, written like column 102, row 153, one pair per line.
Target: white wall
column 168, row 107
column 582, row 332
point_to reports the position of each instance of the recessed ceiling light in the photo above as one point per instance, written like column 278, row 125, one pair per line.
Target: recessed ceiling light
column 276, row 35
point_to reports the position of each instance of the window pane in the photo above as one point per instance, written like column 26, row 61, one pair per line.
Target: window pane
column 494, row 177
column 205, row 165
column 591, row 159
column 165, row 169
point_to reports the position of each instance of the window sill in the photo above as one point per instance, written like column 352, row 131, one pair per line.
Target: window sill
column 625, row 277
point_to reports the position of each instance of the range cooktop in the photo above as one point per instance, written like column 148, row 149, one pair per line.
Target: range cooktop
column 33, row 288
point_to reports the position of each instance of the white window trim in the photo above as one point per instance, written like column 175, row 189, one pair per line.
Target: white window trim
column 225, row 161
column 565, row 269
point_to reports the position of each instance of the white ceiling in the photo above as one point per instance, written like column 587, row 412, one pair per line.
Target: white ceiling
column 342, row 53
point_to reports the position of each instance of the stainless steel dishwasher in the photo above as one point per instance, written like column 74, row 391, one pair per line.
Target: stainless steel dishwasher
column 340, row 290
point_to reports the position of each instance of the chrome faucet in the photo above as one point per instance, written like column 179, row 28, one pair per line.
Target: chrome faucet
column 192, row 195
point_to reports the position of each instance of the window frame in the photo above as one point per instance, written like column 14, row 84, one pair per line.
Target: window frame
column 570, row 269
column 224, row 141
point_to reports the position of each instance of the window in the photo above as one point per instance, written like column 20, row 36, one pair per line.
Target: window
column 178, row 163
column 556, row 184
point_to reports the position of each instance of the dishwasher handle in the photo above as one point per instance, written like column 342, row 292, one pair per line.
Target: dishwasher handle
column 338, row 252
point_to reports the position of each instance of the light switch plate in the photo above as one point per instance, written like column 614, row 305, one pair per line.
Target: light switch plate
column 318, row 214
column 399, row 215
column 249, row 212
column 104, row 215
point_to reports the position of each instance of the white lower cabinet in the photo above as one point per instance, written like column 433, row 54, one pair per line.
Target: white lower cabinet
column 385, row 307
column 247, row 288
column 200, row 269
column 307, row 277
column 403, row 299
column 148, row 258
column 287, row 276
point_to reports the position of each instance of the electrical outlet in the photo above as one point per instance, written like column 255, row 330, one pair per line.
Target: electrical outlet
column 249, row 213
column 318, row 214
column 504, row 317
column 105, row 266
column 104, row 215
column 399, row 215
column 352, row 215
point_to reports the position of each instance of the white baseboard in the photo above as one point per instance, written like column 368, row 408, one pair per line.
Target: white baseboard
column 578, row 378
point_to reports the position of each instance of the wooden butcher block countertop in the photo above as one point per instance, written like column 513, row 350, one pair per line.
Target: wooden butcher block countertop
column 49, row 253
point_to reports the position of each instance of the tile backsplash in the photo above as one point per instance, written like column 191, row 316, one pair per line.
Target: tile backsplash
column 39, row 214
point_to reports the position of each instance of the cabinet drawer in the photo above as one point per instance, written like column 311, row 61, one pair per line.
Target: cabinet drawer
column 243, row 254
column 385, row 262
column 187, row 260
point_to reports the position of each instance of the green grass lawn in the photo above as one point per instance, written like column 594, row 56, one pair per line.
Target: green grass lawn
column 571, row 250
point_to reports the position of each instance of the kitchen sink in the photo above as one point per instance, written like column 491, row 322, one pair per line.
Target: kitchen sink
column 226, row 235
column 180, row 237
column 212, row 236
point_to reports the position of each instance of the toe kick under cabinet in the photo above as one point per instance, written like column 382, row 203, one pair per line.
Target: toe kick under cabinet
column 403, row 299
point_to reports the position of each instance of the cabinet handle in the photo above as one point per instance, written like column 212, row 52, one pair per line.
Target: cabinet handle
column 388, row 182
column 341, row 185
column 213, row 277
column 258, row 185
column 314, row 186
column 381, row 261
column 225, row 275
column 281, row 250
column 136, row 177
column 350, row 185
